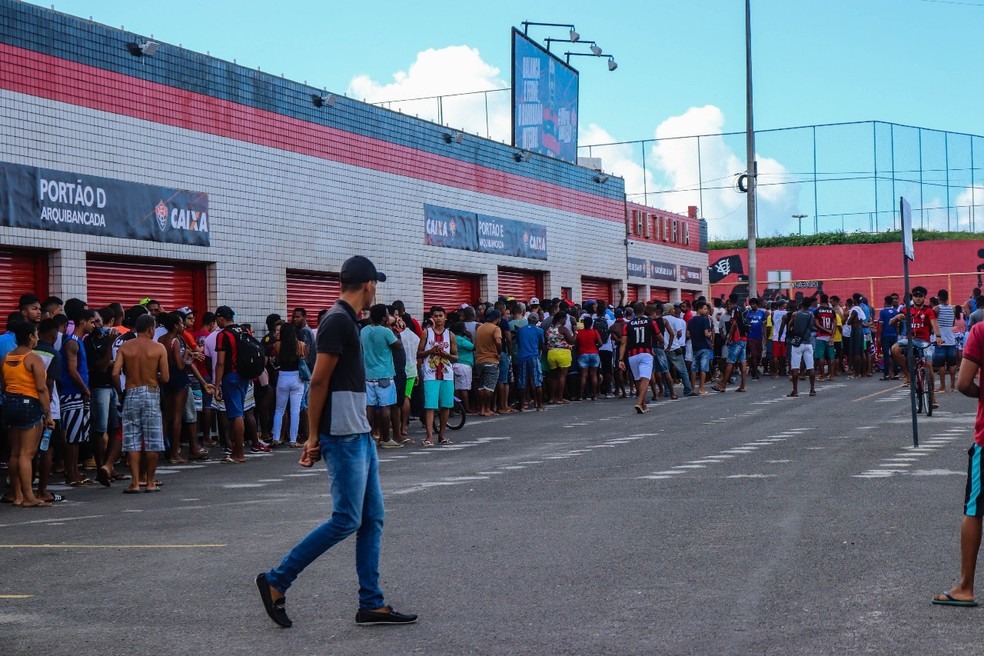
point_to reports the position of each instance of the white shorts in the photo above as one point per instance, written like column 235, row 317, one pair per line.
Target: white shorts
column 462, row 376
column 641, row 365
column 802, row 354
column 688, row 353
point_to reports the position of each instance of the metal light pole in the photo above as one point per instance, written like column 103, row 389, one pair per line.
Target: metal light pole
column 750, row 155
column 800, row 217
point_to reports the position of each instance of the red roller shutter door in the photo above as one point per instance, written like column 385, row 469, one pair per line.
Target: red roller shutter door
column 688, row 296
column 173, row 284
column 634, row 293
column 520, row 284
column 449, row 290
column 22, row 272
column 659, row 294
column 596, row 289
column 312, row 291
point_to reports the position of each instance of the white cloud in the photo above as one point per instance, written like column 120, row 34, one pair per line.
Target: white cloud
column 622, row 160
column 971, row 196
column 715, row 167
column 443, row 71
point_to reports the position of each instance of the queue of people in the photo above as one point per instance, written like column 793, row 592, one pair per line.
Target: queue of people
column 81, row 385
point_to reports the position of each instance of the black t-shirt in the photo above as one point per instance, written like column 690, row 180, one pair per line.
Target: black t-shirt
column 696, row 327
column 344, row 411
column 95, row 348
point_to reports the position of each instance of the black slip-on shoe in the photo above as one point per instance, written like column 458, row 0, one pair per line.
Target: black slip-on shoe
column 277, row 610
column 389, row 616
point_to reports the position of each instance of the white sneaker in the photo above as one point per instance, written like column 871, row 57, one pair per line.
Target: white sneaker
column 609, row 396
column 390, row 444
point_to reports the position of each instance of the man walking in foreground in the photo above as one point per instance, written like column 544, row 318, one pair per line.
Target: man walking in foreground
column 339, row 431
column 970, row 528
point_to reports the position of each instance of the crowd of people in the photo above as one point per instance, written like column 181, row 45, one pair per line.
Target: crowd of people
column 81, row 386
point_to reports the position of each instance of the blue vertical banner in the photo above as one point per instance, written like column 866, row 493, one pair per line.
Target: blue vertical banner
column 545, row 95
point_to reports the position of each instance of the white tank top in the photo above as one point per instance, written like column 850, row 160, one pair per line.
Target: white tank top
column 437, row 367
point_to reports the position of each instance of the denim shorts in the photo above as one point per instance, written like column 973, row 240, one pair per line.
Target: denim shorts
column 661, row 364
column 503, row 369
column 702, row 361
column 526, row 369
column 21, row 412
column 380, row 393
column 736, row 352
column 102, row 409
column 945, row 356
column 589, row 360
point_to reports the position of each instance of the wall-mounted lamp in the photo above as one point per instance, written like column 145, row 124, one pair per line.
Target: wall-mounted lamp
column 457, row 137
column 523, row 156
column 323, row 100
column 145, row 49
column 574, row 36
column 612, row 64
column 602, row 178
column 594, row 46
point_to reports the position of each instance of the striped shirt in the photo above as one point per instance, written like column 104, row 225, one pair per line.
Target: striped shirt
column 945, row 319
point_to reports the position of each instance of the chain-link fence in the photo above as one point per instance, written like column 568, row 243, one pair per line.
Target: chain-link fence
column 820, row 178
column 844, row 177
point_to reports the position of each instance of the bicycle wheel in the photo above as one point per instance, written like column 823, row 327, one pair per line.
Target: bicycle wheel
column 919, row 392
column 456, row 417
column 928, row 400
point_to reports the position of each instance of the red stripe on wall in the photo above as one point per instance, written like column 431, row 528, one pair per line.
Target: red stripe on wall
column 32, row 73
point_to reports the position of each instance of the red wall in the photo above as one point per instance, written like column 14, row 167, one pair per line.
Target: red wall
column 874, row 270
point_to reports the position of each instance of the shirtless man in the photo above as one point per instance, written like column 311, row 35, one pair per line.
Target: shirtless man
column 143, row 362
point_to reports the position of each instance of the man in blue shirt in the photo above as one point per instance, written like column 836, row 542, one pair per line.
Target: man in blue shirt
column 530, row 346
column 889, row 335
column 378, row 343
column 756, row 324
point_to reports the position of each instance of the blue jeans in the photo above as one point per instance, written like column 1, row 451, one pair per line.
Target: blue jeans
column 357, row 507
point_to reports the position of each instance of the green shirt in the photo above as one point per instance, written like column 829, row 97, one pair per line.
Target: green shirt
column 376, row 352
column 466, row 350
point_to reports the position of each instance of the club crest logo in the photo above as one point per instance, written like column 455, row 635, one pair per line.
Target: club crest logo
column 161, row 213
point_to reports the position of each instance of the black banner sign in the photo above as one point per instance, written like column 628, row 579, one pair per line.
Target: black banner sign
column 483, row 234
column 42, row 199
column 691, row 274
column 637, row 267
column 662, row 270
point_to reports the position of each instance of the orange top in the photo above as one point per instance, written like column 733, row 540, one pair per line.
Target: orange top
column 17, row 379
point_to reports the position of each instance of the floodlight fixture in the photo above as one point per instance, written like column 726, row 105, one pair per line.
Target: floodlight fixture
column 612, row 64
column 457, row 137
column 146, row 49
column 602, row 178
column 523, row 156
column 573, row 30
column 575, row 37
column 596, row 49
column 323, row 100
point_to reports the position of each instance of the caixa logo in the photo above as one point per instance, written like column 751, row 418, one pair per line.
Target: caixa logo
column 180, row 219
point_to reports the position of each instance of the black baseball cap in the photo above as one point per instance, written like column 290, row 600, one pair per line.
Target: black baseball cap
column 919, row 291
column 358, row 269
column 225, row 312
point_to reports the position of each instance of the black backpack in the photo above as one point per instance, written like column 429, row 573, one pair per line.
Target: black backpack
column 250, row 359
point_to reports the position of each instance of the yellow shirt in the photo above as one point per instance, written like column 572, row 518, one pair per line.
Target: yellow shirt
column 838, row 337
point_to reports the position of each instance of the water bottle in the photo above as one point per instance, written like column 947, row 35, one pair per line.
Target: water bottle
column 45, row 439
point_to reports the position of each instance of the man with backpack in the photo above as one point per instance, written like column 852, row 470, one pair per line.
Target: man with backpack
column 239, row 359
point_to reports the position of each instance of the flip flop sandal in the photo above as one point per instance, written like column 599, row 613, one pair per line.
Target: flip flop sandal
column 129, row 491
column 39, row 504
column 103, row 477
column 55, row 498
column 426, row 443
column 950, row 600
column 444, row 441
column 120, row 477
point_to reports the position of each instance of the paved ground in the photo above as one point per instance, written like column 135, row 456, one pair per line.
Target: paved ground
column 735, row 524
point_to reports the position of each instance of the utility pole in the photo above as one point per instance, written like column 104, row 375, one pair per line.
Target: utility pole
column 750, row 156
column 800, row 217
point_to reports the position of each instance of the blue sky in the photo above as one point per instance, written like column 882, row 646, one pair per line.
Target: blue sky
column 908, row 61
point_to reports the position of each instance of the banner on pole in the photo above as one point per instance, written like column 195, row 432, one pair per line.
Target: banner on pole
column 906, row 212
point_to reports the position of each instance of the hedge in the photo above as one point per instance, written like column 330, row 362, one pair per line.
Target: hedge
column 834, row 238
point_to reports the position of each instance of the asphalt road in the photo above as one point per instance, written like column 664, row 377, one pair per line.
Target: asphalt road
column 733, row 524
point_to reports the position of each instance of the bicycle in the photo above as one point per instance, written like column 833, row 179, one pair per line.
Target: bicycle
column 924, row 403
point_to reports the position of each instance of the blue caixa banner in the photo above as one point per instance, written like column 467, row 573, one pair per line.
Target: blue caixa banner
column 42, row 199
column 483, row 233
